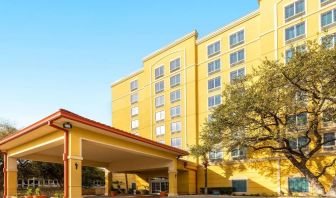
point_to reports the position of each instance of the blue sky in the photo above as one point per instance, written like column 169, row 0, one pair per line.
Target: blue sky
column 66, row 53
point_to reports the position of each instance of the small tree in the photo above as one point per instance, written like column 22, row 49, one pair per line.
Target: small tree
column 279, row 109
column 202, row 152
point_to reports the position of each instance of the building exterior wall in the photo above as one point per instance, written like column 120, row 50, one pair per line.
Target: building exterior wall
column 264, row 37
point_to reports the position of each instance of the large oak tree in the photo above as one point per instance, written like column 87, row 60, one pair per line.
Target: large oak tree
column 279, row 109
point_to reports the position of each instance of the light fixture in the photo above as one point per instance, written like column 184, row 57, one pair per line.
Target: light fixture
column 67, row 125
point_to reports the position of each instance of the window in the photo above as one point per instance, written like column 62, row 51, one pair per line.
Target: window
column 237, row 39
column 159, row 101
column 175, row 64
column 175, row 111
column 160, row 130
column 134, row 85
column 291, row 52
column 214, row 83
column 159, row 87
column 175, row 127
column 214, row 101
column 238, row 153
column 216, row 155
column 297, row 121
column 213, row 48
column 298, row 184
column 295, row 31
column 325, row 2
column 329, row 41
column 328, row 117
column 295, row 9
column 214, row 66
column 161, row 142
column 159, row 72
column 135, row 124
column 175, row 95
column 176, row 142
column 175, row 80
column 328, row 18
column 134, row 111
column 239, row 185
column 298, row 143
column 159, row 116
column 237, row 74
column 329, row 140
column 134, row 98
column 237, row 57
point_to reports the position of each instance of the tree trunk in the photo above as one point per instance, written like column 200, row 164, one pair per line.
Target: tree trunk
column 206, row 180
column 126, row 181
column 312, row 179
column 332, row 191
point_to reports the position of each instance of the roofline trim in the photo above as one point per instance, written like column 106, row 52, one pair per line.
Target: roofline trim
column 62, row 113
column 170, row 45
column 122, row 79
column 227, row 27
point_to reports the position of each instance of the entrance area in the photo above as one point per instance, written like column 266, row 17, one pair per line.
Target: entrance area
column 75, row 141
column 159, row 184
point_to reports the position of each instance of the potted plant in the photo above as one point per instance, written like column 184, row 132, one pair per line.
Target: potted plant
column 29, row 193
column 38, row 194
column 163, row 194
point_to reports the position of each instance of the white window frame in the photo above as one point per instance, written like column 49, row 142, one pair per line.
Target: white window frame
column 295, row 32
column 160, row 130
column 175, row 80
column 134, row 85
column 236, row 70
column 214, row 82
column 134, row 98
column 296, row 14
column 174, row 113
column 213, row 44
column 328, row 147
column 175, row 68
column 134, row 124
column 218, row 155
column 237, row 61
column 159, row 101
column 175, row 140
column 235, row 34
column 176, row 127
column 159, row 85
column 173, row 95
column 159, row 73
column 212, row 66
column 326, row 2
column 134, row 111
column 214, row 101
column 160, row 116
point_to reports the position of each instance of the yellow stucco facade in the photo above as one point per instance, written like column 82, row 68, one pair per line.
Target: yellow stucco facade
column 169, row 99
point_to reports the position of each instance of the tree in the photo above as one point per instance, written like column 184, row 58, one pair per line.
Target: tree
column 202, row 151
column 279, row 109
column 6, row 128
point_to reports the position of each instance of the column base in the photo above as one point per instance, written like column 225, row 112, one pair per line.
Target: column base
column 172, row 194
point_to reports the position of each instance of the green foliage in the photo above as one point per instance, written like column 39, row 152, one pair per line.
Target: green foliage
column 29, row 191
column 264, row 111
column 37, row 191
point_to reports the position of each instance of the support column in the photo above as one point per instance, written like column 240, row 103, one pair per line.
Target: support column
column 172, row 177
column 108, row 182
column 11, row 177
column 75, row 164
column 75, row 176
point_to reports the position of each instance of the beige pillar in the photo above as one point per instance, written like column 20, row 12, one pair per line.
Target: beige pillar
column 108, row 182
column 172, row 177
column 75, row 177
column 11, row 177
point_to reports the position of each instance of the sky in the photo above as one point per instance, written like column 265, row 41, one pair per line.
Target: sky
column 66, row 53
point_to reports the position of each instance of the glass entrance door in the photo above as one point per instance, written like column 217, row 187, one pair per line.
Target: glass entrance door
column 159, row 184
